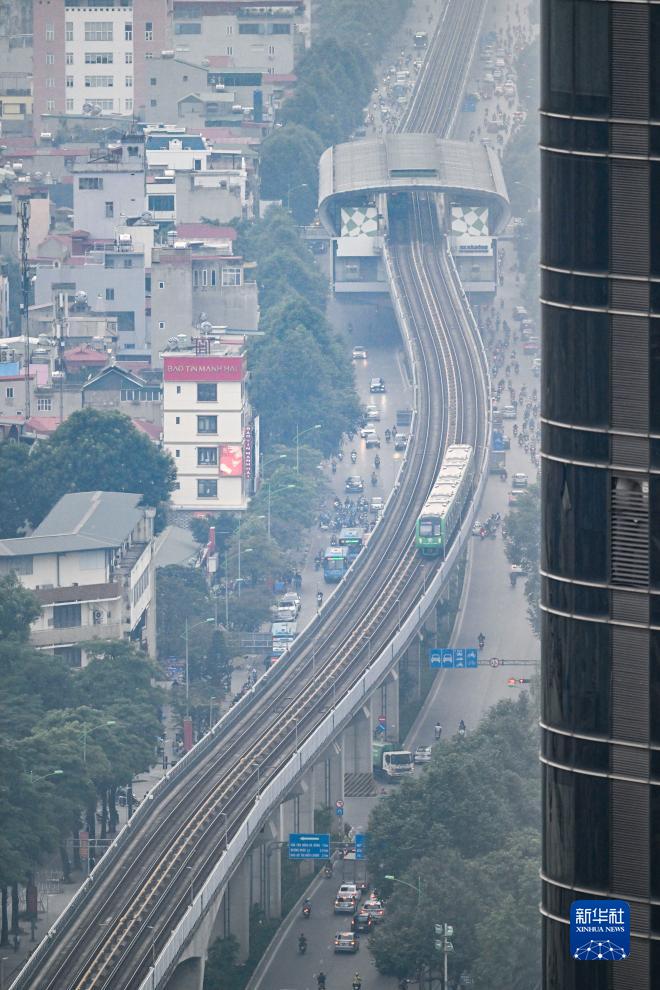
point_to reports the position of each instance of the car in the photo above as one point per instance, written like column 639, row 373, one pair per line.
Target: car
column 520, row 313
column 400, row 441
column 345, row 904
column 354, row 483
column 373, row 413
column 346, row 942
column 514, row 496
column 375, row 909
column 373, row 440
column 367, row 431
column 377, row 385
column 422, row 754
column 359, row 353
column 531, row 346
column 362, row 922
column 519, row 480
column 349, row 889
column 509, row 412
column 376, row 504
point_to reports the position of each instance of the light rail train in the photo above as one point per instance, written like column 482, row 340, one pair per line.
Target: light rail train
column 441, row 516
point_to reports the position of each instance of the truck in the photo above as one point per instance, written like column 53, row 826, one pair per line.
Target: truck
column 390, row 763
column 497, row 461
column 421, row 39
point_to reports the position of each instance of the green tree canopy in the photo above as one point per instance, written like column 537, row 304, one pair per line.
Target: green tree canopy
column 16, row 493
column 95, row 450
column 523, row 546
column 18, row 609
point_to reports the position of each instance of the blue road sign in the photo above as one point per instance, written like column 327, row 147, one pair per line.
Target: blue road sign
column 600, row 930
column 359, row 846
column 309, row 845
column 339, row 812
column 454, row 659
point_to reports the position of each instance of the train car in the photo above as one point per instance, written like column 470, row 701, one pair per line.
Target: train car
column 441, row 516
column 335, row 564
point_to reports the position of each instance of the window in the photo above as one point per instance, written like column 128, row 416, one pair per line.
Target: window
column 50, row 59
column 184, row 78
column 160, row 203
column 69, row 106
column 161, row 285
column 178, row 390
column 91, row 182
column 65, row 616
column 98, row 58
column 271, row 49
column 128, row 58
column 68, row 31
column 109, row 295
column 148, row 31
column 50, row 32
column 195, row 278
column 128, row 81
column 103, row 104
column 69, row 82
column 50, row 83
column 187, row 28
column 279, row 29
column 129, row 106
column 230, row 29
column 207, row 424
column 153, row 103
column 98, row 30
column 9, row 393
column 50, row 106
column 207, row 392
column 128, row 262
column 229, row 50
column 109, row 209
column 72, row 655
column 96, row 82
column 177, row 452
column 231, row 275
column 207, row 488
column 152, row 81
column 161, row 324
column 148, row 54
column 178, row 421
column 69, row 58
column 251, row 29
column 205, row 276
column 129, row 395
column 207, row 456
column 141, row 585
column 214, row 278
column 44, row 405
column 128, row 33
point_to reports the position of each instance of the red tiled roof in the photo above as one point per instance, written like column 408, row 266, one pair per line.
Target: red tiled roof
column 84, row 355
column 45, row 425
column 152, row 430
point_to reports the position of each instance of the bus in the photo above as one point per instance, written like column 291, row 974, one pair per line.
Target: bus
column 335, row 564
column 353, row 539
column 442, row 513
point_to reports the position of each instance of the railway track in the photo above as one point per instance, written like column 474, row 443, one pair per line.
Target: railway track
column 137, row 898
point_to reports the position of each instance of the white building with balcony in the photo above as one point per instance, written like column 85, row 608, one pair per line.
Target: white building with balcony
column 90, row 564
column 206, row 425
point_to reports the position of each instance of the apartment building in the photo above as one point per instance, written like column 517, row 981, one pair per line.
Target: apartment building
column 90, row 564
column 206, row 425
column 109, row 187
column 92, row 60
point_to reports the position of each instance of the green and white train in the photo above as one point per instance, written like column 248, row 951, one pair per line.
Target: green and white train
column 441, row 516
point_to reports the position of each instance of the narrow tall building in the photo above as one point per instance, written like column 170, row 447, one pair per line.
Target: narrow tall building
column 600, row 256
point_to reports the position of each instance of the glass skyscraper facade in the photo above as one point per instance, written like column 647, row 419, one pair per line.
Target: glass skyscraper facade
column 600, row 558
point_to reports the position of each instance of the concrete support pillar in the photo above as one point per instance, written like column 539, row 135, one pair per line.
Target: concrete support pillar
column 388, row 698
column 189, row 975
column 238, row 904
column 356, row 742
column 273, row 878
column 329, row 777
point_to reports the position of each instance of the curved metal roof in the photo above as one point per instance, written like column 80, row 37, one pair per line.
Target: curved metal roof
column 467, row 171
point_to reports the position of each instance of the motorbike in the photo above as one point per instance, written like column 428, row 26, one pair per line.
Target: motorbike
column 353, row 456
column 334, row 467
column 388, row 436
column 320, row 982
column 327, row 871
column 302, row 945
column 374, row 478
column 376, row 461
column 307, row 909
column 482, row 641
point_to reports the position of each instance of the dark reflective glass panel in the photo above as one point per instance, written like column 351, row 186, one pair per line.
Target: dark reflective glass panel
column 574, row 290
column 574, row 186
column 654, row 374
column 654, row 690
column 654, row 508
column 573, row 532
column 576, row 837
column 576, row 674
column 655, row 215
column 574, row 135
column 655, row 840
column 654, row 82
column 575, row 445
column 575, row 79
column 577, row 342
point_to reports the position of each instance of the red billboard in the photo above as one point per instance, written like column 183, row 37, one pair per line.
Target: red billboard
column 231, row 460
column 191, row 368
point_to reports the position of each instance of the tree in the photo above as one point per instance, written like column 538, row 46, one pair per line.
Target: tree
column 181, row 594
column 288, row 160
column 16, row 491
column 93, row 451
column 284, row 271
column 523, row 547
column 18, row 609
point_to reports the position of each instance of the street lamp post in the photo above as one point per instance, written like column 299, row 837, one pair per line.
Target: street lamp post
column 211, row 700
column 87, row 731
column 187, row 629
column 277, row 492
column 303, row 185
column 51, row 773
column 404, row 883
column 299, row 434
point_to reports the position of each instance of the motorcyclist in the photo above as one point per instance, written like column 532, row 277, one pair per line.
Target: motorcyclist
column 302, row 944
column 307, row 907
column 334, row 466
column 377, row 461
column 319, row 598
column 482, row 640
column 461, row 728
column 388, row 436
column 320, row 981
column 374, row 478
column 354, row 456
column 357, row 982
column 437, row 730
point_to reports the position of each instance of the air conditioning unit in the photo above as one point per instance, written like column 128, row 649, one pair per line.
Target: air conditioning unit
column 97, row 615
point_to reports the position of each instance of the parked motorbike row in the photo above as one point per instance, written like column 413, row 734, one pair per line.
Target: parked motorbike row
column 346, row 514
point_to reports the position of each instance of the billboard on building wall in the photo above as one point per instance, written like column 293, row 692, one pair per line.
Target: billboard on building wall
column 193, row 368
column 231, row 460
column 247, row 448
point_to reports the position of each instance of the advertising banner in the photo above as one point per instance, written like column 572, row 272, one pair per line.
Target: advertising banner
column 190, row 368
column 231, row 460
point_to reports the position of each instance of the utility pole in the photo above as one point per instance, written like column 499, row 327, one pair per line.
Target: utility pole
column 444, row 945
column 24, row 225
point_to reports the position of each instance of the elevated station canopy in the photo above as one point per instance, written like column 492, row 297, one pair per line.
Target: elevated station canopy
column 469, row 173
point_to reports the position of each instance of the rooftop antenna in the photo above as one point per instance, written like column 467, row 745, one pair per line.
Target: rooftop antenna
column 24, row 223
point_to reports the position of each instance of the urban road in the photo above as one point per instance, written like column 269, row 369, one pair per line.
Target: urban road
column 138, row 895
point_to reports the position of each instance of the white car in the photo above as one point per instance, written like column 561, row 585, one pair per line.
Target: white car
column 373, row 413
column 519, row 480
column 368, row 431
column 359, row 353
column 423, row 754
